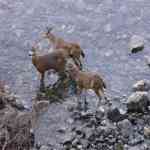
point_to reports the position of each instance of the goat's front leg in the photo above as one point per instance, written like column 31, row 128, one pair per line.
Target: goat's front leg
column 42, row 85
column 79, row 98
column 84, row 101
column 97, row 92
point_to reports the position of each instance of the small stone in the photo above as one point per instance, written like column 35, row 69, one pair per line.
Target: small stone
column 107, row 28
column 147, row 60
column 119, row 146
column 67, row 139
column 70, row 121
column 62, row 129
column 126, row 127
column 18, row 104
column 44, row 147
column 100, row 113
column 136, row 139
column 23, row 118
column 71, row 107
column 88, row 132
column 87, row 114
column 138, row 102
column 147, row 132
column 114, row 115
column 41, row 106
column 136, row 43
column 79, row 147
column 142, row 85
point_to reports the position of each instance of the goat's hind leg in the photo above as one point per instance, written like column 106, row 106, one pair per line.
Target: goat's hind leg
column 85, row 103
column 82, row 103
column 97, row 92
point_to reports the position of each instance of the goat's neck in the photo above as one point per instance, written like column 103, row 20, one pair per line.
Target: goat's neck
column 34, row 58
column 51, row 38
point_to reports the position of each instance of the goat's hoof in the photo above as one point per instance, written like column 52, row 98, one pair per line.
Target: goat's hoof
column 42, row 88
column 105, row 98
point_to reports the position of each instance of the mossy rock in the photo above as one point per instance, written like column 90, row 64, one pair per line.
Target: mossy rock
column 119, row 146
column 58, row 92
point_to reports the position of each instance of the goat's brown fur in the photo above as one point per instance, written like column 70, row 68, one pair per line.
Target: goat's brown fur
column 72, row 49
column 87, row 80
column 53, row 61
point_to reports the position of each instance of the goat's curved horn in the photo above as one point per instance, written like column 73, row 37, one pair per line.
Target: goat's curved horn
column 49, row 29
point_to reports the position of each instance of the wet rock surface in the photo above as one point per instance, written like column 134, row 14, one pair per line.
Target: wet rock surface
column 142, row 85
column 136, row 43
column 103, row 28
column 15, row 124
column 138, row 102
column 103, row 128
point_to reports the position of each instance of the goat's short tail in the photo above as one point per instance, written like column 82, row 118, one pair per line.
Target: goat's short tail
column 104, row 84
column 101, row 81
column 82, row 54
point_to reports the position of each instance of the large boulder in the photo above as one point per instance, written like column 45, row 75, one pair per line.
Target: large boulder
column 147, row 132
column 142, row 85
column 125, row 127
column 136, row 43
column 138, row 102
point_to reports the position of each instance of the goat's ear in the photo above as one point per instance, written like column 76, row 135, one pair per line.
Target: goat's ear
column 71, row 51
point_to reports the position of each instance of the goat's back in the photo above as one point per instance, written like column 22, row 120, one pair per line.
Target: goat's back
column 54, row 60
column 99, row 82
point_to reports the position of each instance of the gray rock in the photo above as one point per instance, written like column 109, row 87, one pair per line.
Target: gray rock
column 119, row 146
column 134, row 148
column 87, row 114
column 147, row 59
column 147, row 132
column 23, row 118
column 68, row 138
column 136, row 43
column 100, row 113
column 62, row 129
column 18, row 104
column 136, row 139
column 41, row 106
column 88, row 132
column 44, row 147
column 114, row 115
column 138, row 102
column 126, row 127
column 142, row 85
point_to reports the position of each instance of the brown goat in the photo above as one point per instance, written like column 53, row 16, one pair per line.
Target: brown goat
column 53, row 61
column 72, row 49
column 87, row 80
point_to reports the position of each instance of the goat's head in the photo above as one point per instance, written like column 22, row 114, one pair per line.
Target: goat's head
column 48, row 31
column 32, row 52
column 76, row 51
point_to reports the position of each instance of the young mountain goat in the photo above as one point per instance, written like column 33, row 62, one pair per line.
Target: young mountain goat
column 87, row 80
